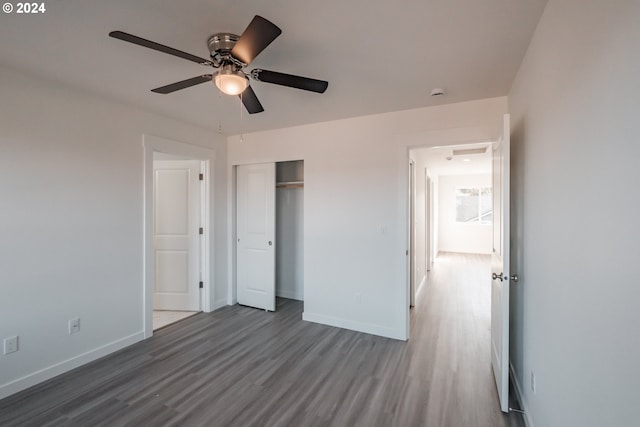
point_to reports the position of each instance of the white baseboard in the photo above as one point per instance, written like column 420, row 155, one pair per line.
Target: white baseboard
column 519, row 396
column 219, row 304
column 290, row 295
column 354, row 326
column 47, row 373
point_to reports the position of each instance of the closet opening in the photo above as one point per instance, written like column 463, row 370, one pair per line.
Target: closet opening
column 269, row 233
column 289, row 230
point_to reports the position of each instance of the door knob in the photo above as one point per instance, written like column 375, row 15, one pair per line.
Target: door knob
column 270, row 243
column 513, row 277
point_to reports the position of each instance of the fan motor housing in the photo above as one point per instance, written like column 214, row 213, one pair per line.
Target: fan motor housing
column 221, row 43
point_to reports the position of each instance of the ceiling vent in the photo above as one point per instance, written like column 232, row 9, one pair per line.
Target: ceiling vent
column 469, row 151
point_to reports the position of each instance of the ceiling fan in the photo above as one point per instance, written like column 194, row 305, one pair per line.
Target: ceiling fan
column 230, row 54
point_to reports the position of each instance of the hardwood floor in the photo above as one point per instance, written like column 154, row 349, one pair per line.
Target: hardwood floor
column 242, row 367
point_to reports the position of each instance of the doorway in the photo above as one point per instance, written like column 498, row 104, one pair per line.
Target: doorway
column 178, row 230
column 177, row 201
column 420, row 231
column 431, row 218
column 464, row 179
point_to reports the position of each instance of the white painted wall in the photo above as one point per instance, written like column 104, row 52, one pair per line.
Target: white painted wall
column 575, row 230
column 454, row 236
column 436, row 216
column 71, row 224
column 355, row 204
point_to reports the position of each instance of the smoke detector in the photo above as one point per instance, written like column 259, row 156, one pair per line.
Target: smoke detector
column 437, row 92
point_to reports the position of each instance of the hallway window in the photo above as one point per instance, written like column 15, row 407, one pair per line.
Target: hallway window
column 474, row 205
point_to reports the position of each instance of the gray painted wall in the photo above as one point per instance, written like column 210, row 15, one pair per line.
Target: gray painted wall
column 71, row 224
column 575, row 155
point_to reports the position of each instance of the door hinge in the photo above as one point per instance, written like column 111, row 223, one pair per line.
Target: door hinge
column 201, row 231
column 201, row 177
column 201, row 285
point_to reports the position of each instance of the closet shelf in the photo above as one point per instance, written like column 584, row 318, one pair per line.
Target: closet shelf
column 290, row 184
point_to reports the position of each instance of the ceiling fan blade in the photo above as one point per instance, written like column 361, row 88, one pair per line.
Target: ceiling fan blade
column 258, row 35
column 250, row 101
column 157, row 46
column 183, row 84
column 298, row 82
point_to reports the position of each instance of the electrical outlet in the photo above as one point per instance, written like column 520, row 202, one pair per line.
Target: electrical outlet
column 74, row 325
column 11, row 344
column 533, row 382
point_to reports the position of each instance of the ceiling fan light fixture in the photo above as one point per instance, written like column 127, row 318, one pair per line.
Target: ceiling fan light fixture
column 230, row 54
column 231, row 81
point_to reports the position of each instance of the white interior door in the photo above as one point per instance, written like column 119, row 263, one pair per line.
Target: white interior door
column 500, row 267
column 412, row 234
column 427, row 222
column 176, row 204
column 255, row 221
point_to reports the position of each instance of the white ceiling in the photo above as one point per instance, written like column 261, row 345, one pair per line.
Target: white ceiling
column 378, row 56
column 442, row 161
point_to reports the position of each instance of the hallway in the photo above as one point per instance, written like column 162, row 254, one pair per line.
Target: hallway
column 450, row 343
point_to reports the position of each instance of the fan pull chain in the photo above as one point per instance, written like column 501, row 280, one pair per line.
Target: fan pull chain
column 241, row 105
column 219, row 112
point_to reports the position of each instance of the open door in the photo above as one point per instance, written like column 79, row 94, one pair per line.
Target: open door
column 255, row 210
column 176, row 205
column 500, row 266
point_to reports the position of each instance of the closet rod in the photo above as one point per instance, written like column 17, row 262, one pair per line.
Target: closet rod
column 290, row 184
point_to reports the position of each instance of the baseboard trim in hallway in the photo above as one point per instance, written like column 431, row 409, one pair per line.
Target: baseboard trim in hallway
column 366, row 328
column 518, row 397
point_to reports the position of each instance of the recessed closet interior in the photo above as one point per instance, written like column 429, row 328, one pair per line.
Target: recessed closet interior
column 289, row 229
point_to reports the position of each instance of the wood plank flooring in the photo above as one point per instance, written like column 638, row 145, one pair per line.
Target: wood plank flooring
column 244, row 367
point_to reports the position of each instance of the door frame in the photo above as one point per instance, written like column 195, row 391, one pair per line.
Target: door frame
column 412, row 232
column 152, row 144
column 427, row 222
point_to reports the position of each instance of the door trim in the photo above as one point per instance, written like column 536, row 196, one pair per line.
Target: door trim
column 412, row 232
column 150, row 145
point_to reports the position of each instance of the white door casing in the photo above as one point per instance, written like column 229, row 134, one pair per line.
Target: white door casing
column 427, row 222
column 500, row 266
column 176, row 206
column 255, row 222
column 412, row 233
